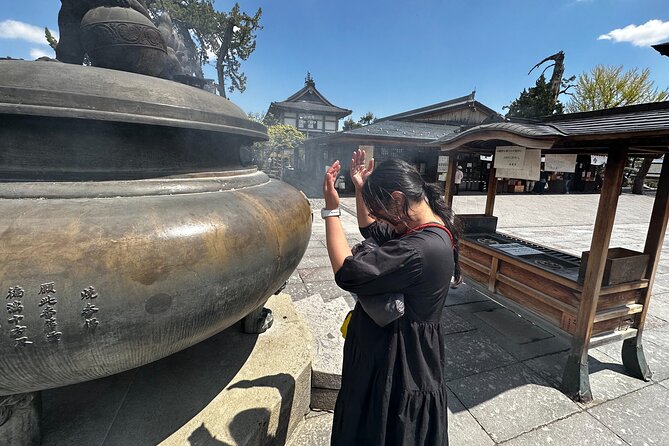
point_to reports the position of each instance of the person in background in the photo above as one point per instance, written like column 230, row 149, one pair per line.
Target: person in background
column 393, row 388
column 458, row 179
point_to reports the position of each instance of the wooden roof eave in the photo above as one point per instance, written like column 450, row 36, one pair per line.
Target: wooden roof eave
column 465, row 142
column 337, row 138
column 484, row 141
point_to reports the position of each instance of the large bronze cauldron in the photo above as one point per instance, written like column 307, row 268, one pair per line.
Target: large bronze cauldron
column 128, row 228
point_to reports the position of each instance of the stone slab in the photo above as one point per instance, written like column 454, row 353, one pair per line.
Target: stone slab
column 316, row 274
column 328, row 290
column 608, row 377
column 512, row 326
column 510, row 401
column 464, row 294
column 579, row 429
column 323, row 399
column 315, row 261
column 472, row 352
column 315, row 430
column 463, row 429
column 324, row 319
column 640, row 418
column 516, row 334
column 656, row 355
column 225, row 390
column 296, row 290
column 452, row 323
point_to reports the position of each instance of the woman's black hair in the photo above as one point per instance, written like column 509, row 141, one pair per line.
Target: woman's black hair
column 400, row 176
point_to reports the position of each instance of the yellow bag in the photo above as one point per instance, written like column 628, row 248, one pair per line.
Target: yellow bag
column 344, row 326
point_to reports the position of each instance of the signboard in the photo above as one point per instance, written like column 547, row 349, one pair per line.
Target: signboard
column 598, row 160
column 529, row 170
column 442, row 164
column 560, row 163
column 516, row 249
column 509, row 157
column 369, row 153
column 486, row 158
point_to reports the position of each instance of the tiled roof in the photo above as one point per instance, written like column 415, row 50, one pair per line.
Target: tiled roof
column 403, row 129
column 441, row 106
column 311, row 107
column 617, row 124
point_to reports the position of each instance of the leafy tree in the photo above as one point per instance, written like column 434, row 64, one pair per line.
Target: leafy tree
column 610, row 87
column 230, row 36
column 366, row 119
column 53, row 43
column 283, row 140
column 535, row 102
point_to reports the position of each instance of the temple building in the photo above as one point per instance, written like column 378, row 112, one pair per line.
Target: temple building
column 402, row 136
column 309, row 111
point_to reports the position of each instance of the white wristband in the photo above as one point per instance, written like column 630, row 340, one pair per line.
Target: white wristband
column 325, row 213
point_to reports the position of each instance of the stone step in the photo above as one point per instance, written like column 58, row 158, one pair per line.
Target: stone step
column 232, row 388
column 315, row 430
column 324, row 319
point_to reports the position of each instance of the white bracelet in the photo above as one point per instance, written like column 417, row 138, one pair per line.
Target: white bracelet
column 325, row 213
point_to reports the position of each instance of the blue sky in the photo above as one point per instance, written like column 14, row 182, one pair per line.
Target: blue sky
column 391, row 56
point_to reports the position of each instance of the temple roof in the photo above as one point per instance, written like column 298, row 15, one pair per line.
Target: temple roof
column 309, row 99
column 641, row 128
column 416, row 132
column 467, row 101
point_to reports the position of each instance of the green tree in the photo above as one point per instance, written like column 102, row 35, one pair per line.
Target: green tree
column 283, row 141
column 535, row 102
column 53, row 43
column 609, row 87
column 366, row 119
column 230, row 36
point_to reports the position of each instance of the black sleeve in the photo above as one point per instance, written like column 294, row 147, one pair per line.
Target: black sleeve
column 380, row 233
column 390, row 268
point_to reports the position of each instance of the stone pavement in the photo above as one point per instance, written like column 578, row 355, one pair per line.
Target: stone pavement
column 503, row 371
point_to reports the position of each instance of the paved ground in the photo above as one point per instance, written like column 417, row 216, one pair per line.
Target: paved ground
column 503, row 371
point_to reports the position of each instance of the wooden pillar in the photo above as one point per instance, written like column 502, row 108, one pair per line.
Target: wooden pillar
column 633, row 357
column 492, row 190
column 450, row 180
column 576, row 379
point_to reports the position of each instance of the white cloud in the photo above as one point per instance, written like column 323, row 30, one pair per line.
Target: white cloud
column 36, row 53
column 651, row 32
column 13, row 29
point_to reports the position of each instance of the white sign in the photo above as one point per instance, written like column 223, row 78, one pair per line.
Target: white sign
column 442, row 177
column 530, row 169
column 509, row 157
column 516, row 249
column 369, row 153
column 486, row 158
column 598, row 160
column 442, row 164
column 560, row 163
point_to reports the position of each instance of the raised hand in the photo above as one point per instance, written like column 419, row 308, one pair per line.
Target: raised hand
column 359, row 172
column 329, row 190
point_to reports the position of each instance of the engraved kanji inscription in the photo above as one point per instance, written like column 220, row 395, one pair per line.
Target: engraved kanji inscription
column 49, row 301
column 15, row 308
column 89, row 311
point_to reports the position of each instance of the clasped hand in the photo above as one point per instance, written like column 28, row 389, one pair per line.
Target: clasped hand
column 359, row 174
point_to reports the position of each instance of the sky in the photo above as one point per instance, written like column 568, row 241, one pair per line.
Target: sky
column 392, row 56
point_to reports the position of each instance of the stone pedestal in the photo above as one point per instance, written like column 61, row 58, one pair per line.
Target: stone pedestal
column 19, row 419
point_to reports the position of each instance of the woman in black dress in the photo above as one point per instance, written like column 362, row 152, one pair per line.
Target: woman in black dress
column 393, row 388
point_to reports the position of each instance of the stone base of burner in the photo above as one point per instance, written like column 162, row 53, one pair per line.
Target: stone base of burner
column 19, row 419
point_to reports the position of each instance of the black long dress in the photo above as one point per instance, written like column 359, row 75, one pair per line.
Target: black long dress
column 393, row 388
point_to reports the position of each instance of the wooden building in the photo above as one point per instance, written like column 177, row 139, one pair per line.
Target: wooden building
column 309, row 111
column 401, row 136
column 602, row 296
